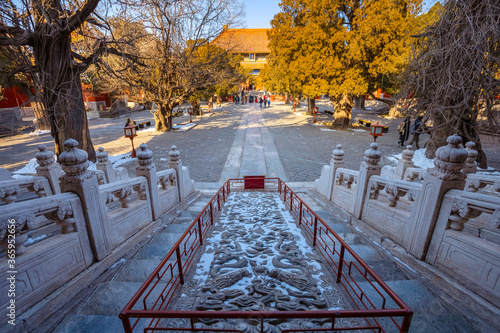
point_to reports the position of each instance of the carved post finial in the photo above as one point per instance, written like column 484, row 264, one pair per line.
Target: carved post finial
column 174, row 156
column 470, row 163
column 44, row 158
column 74, row 163
column 102, row 156
column 338, row 155
column 372, row 157
column 450, row 160
column 144, row 157
column 408, row 153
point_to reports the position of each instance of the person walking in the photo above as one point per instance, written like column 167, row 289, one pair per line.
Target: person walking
column 260, row 101
column 404, row 131
column 416, row 130
column 264, row 100
column 268, row 101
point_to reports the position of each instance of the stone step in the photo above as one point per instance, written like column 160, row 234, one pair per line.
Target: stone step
column 90, row 324
column 110, row 297
column 137, row 270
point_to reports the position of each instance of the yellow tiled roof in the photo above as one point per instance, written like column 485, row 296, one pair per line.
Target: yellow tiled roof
column 243, row 40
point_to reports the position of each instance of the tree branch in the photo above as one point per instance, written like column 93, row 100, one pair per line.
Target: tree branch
column 78, row 17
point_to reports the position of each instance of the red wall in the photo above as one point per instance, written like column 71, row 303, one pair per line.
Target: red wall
column 13, row 97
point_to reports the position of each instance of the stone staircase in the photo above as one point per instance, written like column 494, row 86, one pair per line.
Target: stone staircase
column 97, row 311
column 431, row 313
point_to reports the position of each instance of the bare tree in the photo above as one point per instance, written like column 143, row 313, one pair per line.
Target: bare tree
column 176, row 55
column 47, row 29
column 455, row 68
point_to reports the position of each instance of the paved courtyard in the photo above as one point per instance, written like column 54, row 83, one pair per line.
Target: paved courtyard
column 294, row 148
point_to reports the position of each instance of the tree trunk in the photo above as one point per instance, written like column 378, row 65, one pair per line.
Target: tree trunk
column 62, row 92
column 343, row 109
column 359, row 102
column 42, row 121
column 196, row 107
column 311, row 103
column 161, row 124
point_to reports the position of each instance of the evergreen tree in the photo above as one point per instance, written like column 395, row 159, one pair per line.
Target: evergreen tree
column 340, row 47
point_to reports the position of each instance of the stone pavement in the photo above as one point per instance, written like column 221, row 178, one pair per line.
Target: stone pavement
column 293, row 147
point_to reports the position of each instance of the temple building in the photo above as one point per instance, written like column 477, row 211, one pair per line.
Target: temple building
column 252, row 44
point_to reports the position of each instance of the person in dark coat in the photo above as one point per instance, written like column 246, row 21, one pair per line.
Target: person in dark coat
column 404, row 131
column 416, row 131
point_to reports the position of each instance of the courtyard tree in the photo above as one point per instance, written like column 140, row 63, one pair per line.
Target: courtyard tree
column 176, row 58
column 454, row 70
column 46, row 29
column 343, row 48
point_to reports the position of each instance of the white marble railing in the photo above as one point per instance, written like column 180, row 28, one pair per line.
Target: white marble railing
column 43, row 266
column 167, row 189
column 346, row 178
column 344, row 188
column 483, row 183
column 10, row 190
column 474, row 257
column 388, row 205
column 414, row 174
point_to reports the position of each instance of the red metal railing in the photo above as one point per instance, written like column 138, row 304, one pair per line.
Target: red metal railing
column 373, row 299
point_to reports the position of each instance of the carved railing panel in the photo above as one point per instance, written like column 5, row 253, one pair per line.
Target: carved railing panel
column 11, row 190
column 51, row 262
column 483, row 183
column 125, row 192
column 414, row 174
column 468, row 257
column 346, row 178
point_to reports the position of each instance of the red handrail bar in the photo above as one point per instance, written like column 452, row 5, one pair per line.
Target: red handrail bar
column 127, row 313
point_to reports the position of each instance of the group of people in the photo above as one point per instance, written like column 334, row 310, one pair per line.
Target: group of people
column 266, row 100
column 405, row 129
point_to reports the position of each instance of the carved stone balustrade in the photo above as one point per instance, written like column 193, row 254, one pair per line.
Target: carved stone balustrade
column 394, row 189
column 476, row 182
column 346, row 177
column 166, row 179
column 10, row 189
column 412, row 174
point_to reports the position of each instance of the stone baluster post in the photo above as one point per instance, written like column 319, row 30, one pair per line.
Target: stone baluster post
column 470, row 163
column 48, row 168
column 146, row 167
column 105, row 165
column 368, row 168
column 84, row 183
column 437, row 181
column 405, row 162
column 175, row 162
column 336, row 162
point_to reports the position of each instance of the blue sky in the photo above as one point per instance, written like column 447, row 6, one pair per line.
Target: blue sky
column 259, row 13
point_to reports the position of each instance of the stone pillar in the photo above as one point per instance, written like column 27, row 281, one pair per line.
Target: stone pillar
column 146, row 167
column 175, row 162
column 444, row 176
column 470, row 163
column 405, row 162
column 48, row 168
column 336, row 162
column 84, row 183
column 105, row 165
column 368, row 168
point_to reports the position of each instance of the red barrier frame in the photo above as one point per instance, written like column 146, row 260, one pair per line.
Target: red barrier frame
column 323, row 238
